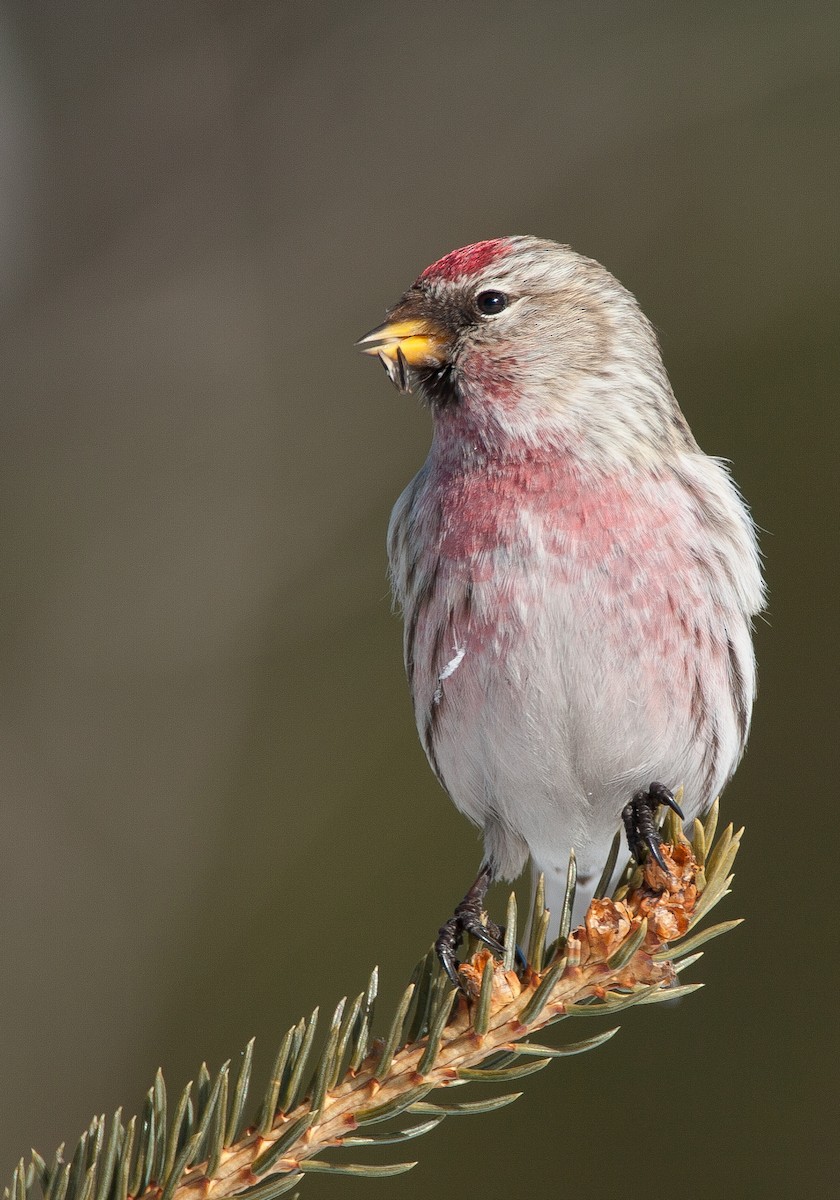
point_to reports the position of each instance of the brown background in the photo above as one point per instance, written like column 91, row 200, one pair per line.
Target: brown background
column 215, row 813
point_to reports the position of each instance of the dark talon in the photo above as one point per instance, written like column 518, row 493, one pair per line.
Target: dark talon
column 484, row 935
column 467, row 919
column 447, row 939
column 664, row 795
column 640, row 824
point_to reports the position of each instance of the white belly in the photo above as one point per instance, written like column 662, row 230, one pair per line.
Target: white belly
column 550, row 712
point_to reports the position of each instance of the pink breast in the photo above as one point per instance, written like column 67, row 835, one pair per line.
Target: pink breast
column 592, row 517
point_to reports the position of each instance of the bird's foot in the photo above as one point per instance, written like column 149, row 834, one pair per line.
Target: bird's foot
column 639, row 817
column 468, row 918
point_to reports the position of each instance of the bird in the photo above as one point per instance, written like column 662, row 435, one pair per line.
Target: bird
column 577, row 578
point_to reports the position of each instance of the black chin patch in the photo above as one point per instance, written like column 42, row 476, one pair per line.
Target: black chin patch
column 438, row 386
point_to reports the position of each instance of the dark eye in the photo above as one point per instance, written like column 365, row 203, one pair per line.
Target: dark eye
column 489, row 303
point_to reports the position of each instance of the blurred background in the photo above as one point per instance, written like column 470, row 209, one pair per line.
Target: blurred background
column 215, row 812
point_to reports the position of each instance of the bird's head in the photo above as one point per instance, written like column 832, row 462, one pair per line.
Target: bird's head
column 521, row 338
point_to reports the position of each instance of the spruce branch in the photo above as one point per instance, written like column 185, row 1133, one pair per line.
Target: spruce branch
column 630, row 950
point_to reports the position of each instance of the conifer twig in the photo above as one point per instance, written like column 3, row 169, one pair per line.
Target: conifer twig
column 628, row 951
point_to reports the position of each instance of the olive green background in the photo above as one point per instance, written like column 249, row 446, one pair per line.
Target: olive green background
column 215, row 813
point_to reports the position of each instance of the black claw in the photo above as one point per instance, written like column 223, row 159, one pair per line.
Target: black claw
column 487, row 938
column 656, row 853
column 467, row 919
column 664, row 795
column 445, row 943
column 640, row 824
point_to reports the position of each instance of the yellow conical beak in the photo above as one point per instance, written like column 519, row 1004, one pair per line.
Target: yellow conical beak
column 403, row 342
column 421, row 343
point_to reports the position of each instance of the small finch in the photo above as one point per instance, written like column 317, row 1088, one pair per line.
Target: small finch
column 577, row 578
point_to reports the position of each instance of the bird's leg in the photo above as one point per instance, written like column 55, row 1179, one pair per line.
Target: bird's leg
column 640, row 823
column 468, row 918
